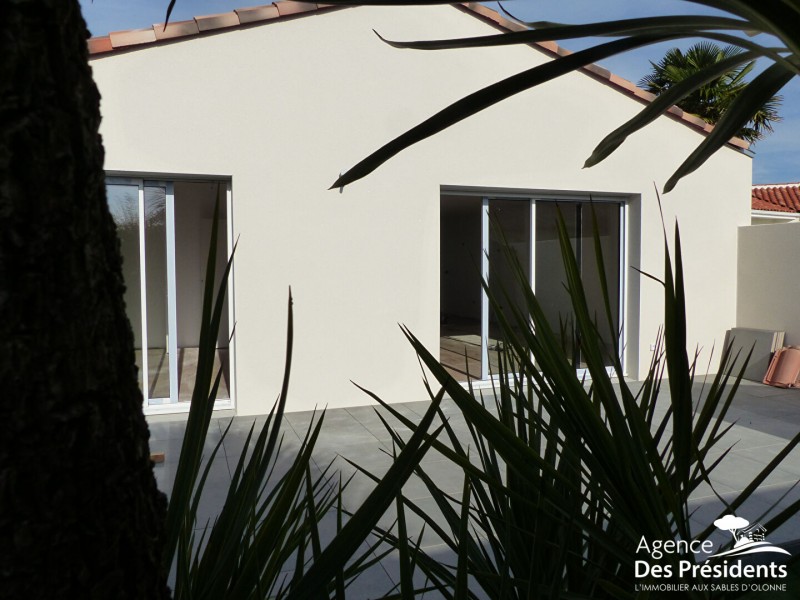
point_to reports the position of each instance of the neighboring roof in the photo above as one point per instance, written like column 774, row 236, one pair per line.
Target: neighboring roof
column 777, row 197
column 259, row 15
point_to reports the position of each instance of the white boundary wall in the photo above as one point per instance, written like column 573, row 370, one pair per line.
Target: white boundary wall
column 769, row 279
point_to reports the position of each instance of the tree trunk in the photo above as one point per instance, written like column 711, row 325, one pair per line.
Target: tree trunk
column 80, row 514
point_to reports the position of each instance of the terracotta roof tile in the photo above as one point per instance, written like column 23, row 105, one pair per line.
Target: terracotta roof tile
column 623, row 83
column 98, row 45
column 175, row 29
column 694, row 119
column 257, row 13
column 288, row 8
column 202, row 24
column 132, row 37
column 599, row 71
column 549, row 46
column 780, row 197
column 220, row 21
column 488, row 13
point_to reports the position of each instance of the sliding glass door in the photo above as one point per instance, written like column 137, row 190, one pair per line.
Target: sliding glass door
column 462, row 302
column 164, row 231
column 509, row 230
column 550, row 276
column 474, row 231
column 124, row 205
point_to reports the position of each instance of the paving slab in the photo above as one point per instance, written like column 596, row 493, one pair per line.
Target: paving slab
column 762, row 420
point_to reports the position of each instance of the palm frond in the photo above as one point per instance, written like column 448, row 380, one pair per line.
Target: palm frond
column 741, row 20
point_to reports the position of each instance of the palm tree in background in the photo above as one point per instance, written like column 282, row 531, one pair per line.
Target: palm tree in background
column 710, row 101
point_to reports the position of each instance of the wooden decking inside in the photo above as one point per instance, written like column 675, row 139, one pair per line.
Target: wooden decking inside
column 461, row 356
column 158, row 376
column 460, row 350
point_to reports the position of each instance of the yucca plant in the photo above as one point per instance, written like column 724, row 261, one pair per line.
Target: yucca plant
column 267, row 519
column 568, row 476
column 571, row 474
column 266, row 540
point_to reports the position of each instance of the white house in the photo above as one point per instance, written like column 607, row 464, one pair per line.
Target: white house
column 265, row 107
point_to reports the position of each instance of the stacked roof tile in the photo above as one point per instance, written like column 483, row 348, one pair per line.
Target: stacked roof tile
column 782, row 197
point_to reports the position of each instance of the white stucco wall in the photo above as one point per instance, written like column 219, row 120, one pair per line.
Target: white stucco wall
column 768, row 275
column 283, row 108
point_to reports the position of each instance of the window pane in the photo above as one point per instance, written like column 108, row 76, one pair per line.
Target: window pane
column 510, row 219
column 551, row 278
column 607, row 217
column 123, row 203
column 550, row 285
column 460, row 287
column 194, row 213
column 155, row 235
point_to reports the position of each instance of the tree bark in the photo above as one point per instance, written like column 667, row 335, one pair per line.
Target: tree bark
column 80, row 514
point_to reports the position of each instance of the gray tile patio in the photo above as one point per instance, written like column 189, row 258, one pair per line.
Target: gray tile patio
column 764, row 420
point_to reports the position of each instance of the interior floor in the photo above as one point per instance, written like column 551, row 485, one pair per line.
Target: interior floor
column 158, row 366
column 460, row 349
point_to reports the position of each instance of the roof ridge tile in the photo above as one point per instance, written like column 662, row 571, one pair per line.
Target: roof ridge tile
column 132, row 37
column 257, row 13
column 290, row 7
column 175, row 29
column 217, row 21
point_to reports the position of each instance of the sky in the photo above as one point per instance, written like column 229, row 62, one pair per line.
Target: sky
column 776, row 158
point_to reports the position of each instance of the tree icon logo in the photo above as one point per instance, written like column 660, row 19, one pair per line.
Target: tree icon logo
column 747, row 538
